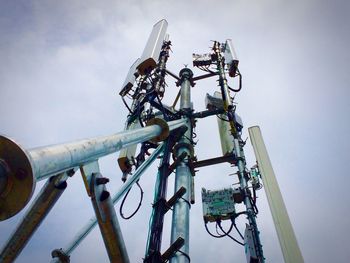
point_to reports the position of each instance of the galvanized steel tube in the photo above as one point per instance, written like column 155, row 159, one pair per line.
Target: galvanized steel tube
column 181, row 214
column 41, row 206
column 79, row 237
column 222, row 78
column 244, row 186
column 24, row 167
column 109, row 226
column 54, row 159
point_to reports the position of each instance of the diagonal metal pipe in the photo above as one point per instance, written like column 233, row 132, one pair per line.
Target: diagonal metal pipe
column 107, row 219
column 20, row 169
column 79, row 237
column 35, row 215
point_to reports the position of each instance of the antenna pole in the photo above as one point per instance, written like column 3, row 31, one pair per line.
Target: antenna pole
column 243, row 181
column 238, row 144
column 181, row 214
column 153, row 254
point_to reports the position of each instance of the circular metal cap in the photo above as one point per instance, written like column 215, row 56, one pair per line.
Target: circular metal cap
column 165, row 129
column 17, row 178
column 186, row 73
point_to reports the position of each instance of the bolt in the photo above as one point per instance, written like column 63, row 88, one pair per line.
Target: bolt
column 102, row 180
column 21, row 174
column 70, row 172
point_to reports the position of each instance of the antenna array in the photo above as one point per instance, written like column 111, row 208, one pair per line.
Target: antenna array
column 159, row 129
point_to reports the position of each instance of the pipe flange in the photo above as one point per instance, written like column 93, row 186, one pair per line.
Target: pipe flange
column 18, row 177
column 182, row 144
column 165, row 129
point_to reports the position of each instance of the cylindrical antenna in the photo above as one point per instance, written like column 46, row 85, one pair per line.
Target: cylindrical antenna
column 289, row 245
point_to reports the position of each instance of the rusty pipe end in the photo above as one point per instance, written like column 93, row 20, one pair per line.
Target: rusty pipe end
column 17, row 181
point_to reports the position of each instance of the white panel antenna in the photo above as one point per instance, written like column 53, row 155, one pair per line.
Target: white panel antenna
column 150, row 55
column 230, row 57
column 130, row 78
column 288, row 242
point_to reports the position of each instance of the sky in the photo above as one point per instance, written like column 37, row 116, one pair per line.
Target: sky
column 62, row 64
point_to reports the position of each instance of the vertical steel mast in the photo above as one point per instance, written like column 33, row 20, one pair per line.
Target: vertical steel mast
column 238, row 144
column 181, row 215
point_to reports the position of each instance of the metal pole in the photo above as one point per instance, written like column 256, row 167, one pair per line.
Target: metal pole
column 289, row 244
column 238, row 150
column 22, row 168
column 107, row 220
column 225, row 92
column 153, row 247
column 40, row 208
column 181, row 214
column 79, row 237
column 49, row 160
column 244, row 186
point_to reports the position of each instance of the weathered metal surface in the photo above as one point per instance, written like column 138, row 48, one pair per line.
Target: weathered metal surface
column 159, row 207
column 172, row 249
column 54, row 159
column 105, row 214
column 238, row 150
column 17, row 179
column 165, row 129
column 86, row 171
column 22, row 168
column 181, row 214
column 213, row 161
column 35, row 215
column 79, row 237
column 49, row 160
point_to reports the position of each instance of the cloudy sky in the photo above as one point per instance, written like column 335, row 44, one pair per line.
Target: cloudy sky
column 62, row 64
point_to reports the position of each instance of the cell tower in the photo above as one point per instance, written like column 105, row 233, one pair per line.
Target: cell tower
column 160, row 130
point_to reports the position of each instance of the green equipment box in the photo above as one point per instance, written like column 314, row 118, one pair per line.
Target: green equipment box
column 218, row 204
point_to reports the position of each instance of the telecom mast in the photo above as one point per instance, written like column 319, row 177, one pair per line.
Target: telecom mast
column 160, row 129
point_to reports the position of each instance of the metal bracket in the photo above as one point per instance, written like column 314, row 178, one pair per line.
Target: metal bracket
column 106, row 216
column 86, row 171
column 173, row 248
column 171, row 202
column 98, row 191
column 205, row 76
column 216, row 160
column 179, row 145
column 180, row 158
